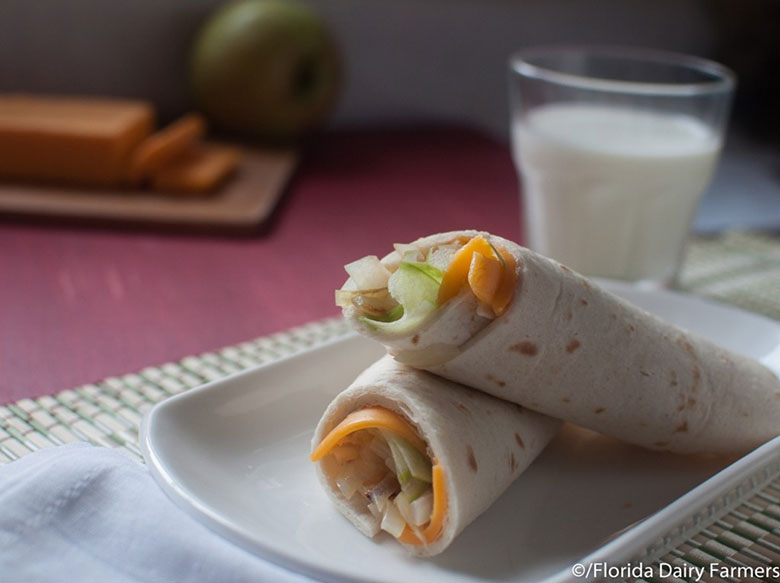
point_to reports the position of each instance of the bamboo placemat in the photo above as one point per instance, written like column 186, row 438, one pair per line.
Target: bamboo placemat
column 738, row 268
column 109, row 413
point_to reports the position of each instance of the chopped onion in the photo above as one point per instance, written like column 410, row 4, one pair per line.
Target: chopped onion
column 375, row 302
column 404, row 507
column 408, row 252
column 441, row 257
column 374, row 510
column 393, row 522
column 380, row 493
column 368, row 467
column 421, row 509
column 368, row 273
column 348, row 482
column 380, row 448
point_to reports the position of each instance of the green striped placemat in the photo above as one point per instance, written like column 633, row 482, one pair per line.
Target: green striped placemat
column 109, row 413
column 739, row 268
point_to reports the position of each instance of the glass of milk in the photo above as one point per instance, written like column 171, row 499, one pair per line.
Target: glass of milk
column 614, row 148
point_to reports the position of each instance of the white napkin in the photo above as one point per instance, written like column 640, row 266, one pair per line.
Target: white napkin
column 82, row 513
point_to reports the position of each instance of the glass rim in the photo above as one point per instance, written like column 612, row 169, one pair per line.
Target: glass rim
column 723, row 78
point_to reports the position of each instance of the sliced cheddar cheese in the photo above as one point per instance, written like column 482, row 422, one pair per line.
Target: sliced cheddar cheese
column 165, row 146
column 198, row 171
column 506, row 287
column 484, row 276
column 488, row 271
column 433, row 529
column 368, row 418
column 75, row 140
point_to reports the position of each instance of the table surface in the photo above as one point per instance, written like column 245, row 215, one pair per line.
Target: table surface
column 77, row 305
column 80, row 305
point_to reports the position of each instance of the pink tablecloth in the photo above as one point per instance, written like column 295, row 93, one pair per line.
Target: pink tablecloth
column 79, row 305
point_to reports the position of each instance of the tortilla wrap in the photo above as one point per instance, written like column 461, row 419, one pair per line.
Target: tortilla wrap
column 482, row 443
column 569, row 349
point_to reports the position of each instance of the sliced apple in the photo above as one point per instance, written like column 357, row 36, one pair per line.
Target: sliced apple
column 415, row 287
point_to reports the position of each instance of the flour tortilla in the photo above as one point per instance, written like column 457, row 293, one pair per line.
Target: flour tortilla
column 482, row 443
column 569, row 349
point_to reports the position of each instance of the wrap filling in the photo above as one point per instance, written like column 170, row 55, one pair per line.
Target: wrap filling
column 377, row 459
column 398, row 301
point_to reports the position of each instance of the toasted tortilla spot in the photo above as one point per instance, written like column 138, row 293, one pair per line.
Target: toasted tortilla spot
column 631, row 328
column 598, row 410
column 691, row 403
column 519, row 441
column 682, row 340
column 672, row 378
column 415, row 339
column 573, row 345
column 463, row 407
column 681, row 428
column 512, row 462
column 627, row 505
column 525, row 347
column 472, row 460
column 696, row 373
column 584, row 302
column 644, row 373
column 565, row 400
column 491, row 378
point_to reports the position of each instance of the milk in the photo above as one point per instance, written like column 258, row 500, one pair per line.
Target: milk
column 611, row 191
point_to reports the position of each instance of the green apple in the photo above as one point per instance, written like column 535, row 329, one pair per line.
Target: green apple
column 266, row 68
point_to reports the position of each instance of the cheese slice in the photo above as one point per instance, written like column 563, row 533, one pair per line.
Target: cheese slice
column 76, row 140
column 199, row 170
column 165, row 146
column 368, row 418
column 433, row 529
column 488, row 271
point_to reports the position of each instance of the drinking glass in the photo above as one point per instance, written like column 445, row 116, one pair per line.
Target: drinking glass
column 614, row 148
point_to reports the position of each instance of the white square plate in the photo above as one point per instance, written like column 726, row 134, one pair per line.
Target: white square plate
column 234, row 454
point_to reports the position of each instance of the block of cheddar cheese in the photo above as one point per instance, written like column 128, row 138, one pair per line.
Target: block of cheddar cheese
column 199, row 171
column 75, row 140
column 164, row 146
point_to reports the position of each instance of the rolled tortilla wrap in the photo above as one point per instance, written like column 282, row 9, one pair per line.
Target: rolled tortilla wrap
column 565, row 347
column 477, row 445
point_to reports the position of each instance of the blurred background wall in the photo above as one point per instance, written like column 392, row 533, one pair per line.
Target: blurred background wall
column 406, row 60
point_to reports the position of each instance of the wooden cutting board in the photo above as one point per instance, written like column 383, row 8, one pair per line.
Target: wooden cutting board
column 240, row 206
